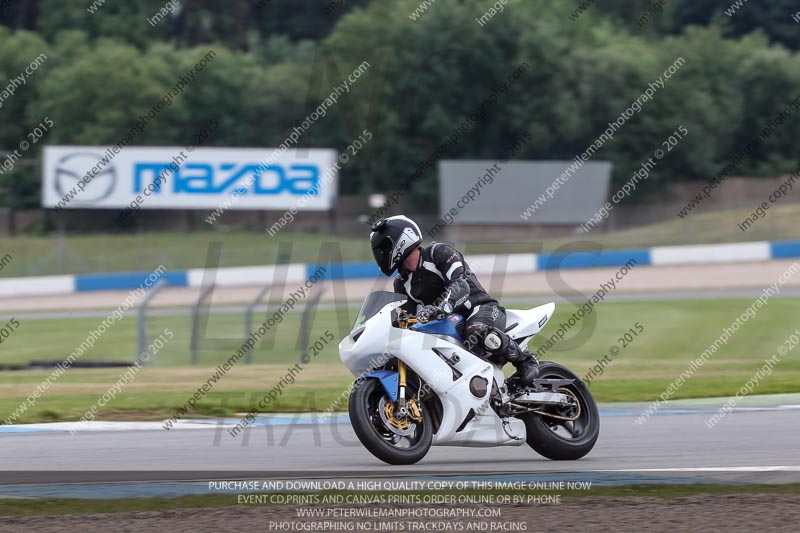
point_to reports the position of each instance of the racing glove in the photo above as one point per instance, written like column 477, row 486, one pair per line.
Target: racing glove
column 430, row 312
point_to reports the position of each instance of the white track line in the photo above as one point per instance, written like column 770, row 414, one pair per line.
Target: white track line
column 712, row 469
column 97, row 426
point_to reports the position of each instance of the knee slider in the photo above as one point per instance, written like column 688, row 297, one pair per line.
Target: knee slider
column 495, row 340
column 492, row 342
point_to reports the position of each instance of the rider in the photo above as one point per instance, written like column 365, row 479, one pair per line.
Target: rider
column 437, row 278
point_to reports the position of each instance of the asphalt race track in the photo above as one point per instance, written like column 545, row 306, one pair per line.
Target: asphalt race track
column 750, row 445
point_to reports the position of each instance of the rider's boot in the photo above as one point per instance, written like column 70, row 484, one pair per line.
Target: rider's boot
column 526, row 364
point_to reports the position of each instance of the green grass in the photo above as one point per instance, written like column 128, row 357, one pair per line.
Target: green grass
column 780, row 224
column 57, row 506
column 56, row 339
column 122, row 252
column 143, row 252
column 63, row 506
column 675, row 332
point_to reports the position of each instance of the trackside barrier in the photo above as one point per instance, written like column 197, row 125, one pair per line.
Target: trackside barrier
column 516, row 263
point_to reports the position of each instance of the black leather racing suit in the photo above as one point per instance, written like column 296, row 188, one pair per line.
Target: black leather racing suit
column 444, row 279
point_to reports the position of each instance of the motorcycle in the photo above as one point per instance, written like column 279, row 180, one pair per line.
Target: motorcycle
column 418, row 386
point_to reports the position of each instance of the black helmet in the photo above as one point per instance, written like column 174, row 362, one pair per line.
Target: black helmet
column 392, row 239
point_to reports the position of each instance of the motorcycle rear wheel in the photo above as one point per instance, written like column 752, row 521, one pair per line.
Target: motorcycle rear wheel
column 562, row 440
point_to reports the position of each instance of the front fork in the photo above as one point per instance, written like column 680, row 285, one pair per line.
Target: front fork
column 402, row 411
column 406, row 408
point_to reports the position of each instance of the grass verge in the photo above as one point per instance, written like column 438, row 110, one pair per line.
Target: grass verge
column 673, row 333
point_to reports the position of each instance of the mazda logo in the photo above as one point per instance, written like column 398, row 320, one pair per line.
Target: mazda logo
column 72, row 168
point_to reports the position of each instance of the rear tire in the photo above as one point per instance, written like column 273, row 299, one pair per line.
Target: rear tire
column 559, row 440
column 374, row 434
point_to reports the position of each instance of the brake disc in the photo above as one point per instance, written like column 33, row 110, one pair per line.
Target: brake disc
column 399, row 427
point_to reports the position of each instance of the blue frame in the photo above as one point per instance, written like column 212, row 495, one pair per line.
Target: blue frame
column 390, row 381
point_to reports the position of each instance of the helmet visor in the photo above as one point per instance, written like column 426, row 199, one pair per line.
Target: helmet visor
column 382, row 252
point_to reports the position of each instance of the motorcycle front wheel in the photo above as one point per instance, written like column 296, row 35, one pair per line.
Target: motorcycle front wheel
column 393, row 441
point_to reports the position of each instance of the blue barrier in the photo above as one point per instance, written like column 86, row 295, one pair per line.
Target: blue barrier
column 368, row 270
column 784, row 250
column 126, row 280
column 347, row 271
column 611, row 258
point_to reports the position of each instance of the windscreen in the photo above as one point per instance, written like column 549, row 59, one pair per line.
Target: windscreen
column 374, row 303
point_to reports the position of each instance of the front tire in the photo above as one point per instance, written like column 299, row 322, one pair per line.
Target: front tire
column 564, row 440
column 383, row 441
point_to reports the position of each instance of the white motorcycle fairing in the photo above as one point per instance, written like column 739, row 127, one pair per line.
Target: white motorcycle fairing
column 528, row 322
column 462, row 381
